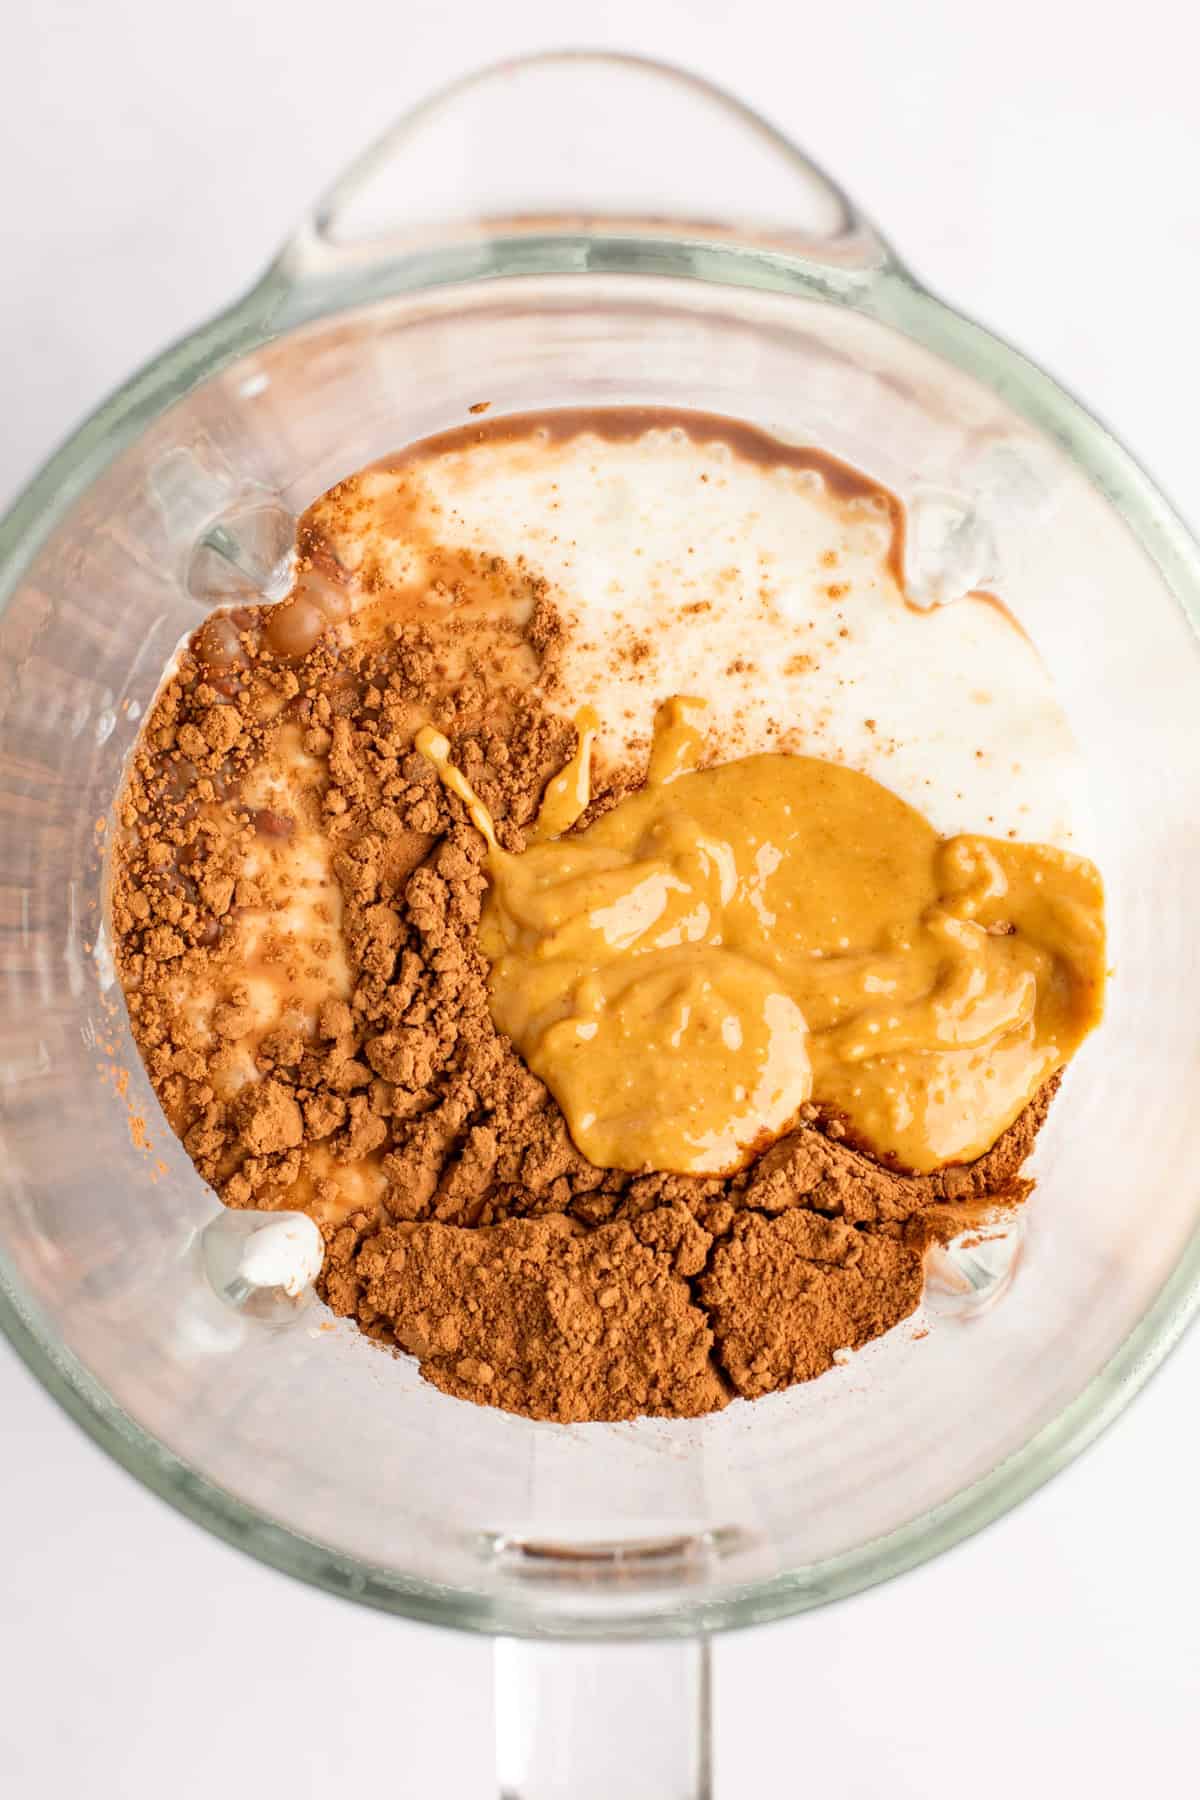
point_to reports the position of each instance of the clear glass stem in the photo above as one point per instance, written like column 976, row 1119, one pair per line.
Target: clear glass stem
column 590, row 1721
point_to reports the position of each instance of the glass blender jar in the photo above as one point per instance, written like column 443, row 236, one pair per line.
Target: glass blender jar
column 573, row 230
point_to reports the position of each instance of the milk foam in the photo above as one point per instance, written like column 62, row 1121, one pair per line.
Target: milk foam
column 681, row 565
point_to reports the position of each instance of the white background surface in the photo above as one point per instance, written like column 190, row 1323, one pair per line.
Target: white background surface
column 1041, row 172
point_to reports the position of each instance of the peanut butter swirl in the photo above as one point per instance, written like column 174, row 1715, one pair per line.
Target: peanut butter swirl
column 729, row 943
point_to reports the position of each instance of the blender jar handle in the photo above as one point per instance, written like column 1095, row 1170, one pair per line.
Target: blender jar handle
column 590, row 1721
column 582, row 145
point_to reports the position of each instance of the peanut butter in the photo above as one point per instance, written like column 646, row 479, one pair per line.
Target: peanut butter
column 731, row 942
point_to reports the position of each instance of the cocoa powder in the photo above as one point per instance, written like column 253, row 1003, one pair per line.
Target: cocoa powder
column 372, row 1088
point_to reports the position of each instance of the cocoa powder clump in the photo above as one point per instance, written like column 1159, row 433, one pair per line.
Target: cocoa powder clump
column 784, row 1294
column 544, row 1317
column 462, row 1225
column 267, row 1118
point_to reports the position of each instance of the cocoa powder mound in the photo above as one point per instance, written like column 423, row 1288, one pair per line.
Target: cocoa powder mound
column 371, row 1087
column 545, row 1317
column 784, row 1295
